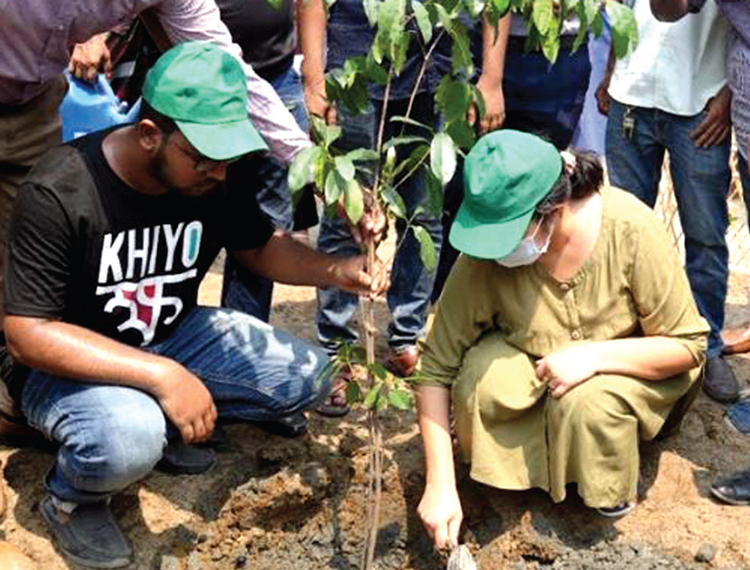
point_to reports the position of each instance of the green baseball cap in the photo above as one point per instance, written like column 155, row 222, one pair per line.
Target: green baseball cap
column 202, row 88
column 506, row 174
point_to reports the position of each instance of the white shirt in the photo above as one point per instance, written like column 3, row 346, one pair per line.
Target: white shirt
column 676, row 67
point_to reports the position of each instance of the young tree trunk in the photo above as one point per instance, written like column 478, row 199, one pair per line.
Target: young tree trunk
column 375, row 433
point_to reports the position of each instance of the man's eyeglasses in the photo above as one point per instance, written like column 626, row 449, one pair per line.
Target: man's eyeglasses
column 202, row 163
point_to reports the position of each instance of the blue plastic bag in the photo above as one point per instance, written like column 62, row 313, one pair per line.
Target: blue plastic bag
column 90, row 107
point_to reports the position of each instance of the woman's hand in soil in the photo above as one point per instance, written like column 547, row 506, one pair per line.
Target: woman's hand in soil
column 564, row 369
column 186, row 402
column 441, row 514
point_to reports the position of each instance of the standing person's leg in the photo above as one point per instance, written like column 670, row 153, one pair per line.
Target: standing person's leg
column 411, row 282
column 110, row 436
column 26, row 132
column 701, row 179
column 244, row 290
column 735, row 488
column 737, row 340
column 635, row 153
column 545, row 98
column 336, row 308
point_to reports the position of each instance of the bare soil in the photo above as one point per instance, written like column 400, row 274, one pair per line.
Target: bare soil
column 273, row 503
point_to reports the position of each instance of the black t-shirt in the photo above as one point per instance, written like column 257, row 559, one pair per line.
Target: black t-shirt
column 86, row 248
column 267, row 36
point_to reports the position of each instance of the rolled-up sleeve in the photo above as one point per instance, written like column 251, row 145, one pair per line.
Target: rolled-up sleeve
column 462, row 315
column 662, row 294
column 200, row 20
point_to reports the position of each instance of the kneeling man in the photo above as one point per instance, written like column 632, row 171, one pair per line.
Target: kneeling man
column 110, row 239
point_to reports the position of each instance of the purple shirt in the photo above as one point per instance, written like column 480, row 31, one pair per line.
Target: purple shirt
column 738, row 14
column 36, row 36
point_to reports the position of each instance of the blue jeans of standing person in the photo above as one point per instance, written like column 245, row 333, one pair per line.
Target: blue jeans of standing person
column 244, row 290
column 110, row 436
column 545, row 98
column 411, row 283
column 701, row 177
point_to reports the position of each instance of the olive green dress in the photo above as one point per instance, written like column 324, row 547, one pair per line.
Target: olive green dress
column 492, row 323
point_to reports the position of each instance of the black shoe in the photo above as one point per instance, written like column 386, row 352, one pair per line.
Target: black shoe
column 182, row 459
column 616, row 512
column 719, row 381
column 734, row 490
column 293, row 425
column 88, row 535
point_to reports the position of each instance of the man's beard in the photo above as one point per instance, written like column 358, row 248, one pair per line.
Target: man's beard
column 157, row 167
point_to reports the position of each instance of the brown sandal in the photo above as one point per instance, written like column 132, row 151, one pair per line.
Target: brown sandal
column 335, row 405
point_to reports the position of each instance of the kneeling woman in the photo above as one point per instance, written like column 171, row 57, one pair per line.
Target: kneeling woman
column 566, row 331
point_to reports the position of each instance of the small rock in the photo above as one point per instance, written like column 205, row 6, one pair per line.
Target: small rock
column 169, row 563
column 705, row 553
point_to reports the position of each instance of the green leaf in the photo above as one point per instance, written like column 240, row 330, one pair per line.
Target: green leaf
column 543, row 15
column 321, row 170
column 624, row 28
column 372, row 394
column 401, row 399
column 423, row 20
column 353, row 392
column 301, row 170
column 398, row 141
column 445, row 19
column 357, row 354
column 597, row 25
column 379, row 370
column 478, row 99
column 344, row 167
column 551, row 46
column 417, row 156
column 434, row 193
column 399, row 51
column 318, row 129
column 587, row 11
column 275, row 4
column 412, row 122
column 462, row 62
column 381, row 403
column 375, row 72
column 335, row 186
column 453, row 98
column 427, row 251
column 354, row 201
column 359, row 154
column 474, row 7
column 443, row 157
column 462, row 133
column 371, row 11
column 394, row 202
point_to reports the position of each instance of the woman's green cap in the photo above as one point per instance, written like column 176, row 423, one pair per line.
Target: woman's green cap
column 203, row 89
column 506, row 174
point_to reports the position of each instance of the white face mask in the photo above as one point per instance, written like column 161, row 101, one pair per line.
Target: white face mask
column 526, row 252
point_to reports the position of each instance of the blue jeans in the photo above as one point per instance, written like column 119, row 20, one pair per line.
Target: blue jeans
column 411, row 283
column 110, row 436
column 242, row 289
column 742, row 167
column 701, row 179
column 544, row 98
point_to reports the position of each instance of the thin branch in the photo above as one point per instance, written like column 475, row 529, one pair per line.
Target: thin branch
column 422, row 71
